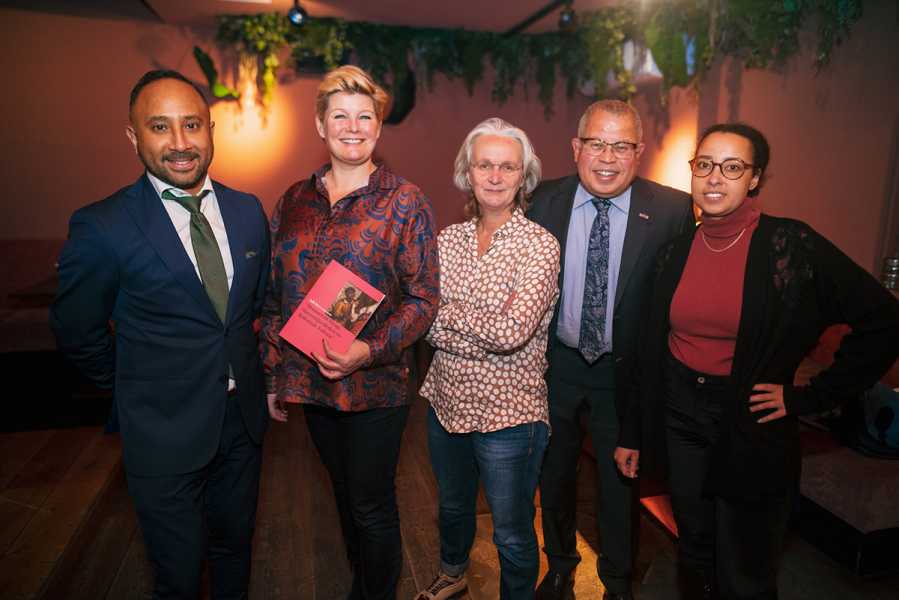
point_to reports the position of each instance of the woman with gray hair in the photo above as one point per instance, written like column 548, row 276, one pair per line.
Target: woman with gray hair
column 488, row 418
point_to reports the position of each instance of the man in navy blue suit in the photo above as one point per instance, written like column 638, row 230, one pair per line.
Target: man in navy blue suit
column 159, row 286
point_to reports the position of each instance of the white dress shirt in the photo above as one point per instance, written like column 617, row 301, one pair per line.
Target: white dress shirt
column 180, row 217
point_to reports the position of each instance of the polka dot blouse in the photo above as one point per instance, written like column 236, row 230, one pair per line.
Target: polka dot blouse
column 491, row 328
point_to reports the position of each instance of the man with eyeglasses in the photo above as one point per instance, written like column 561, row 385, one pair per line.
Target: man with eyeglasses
column 610, row 224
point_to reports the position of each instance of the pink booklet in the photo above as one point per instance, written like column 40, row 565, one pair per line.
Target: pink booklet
column 336, row 309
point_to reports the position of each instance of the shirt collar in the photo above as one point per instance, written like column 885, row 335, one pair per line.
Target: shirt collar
column 622, row 202
column 161, row 186
column 380, row 179
column 512, row 225
column 506, row 229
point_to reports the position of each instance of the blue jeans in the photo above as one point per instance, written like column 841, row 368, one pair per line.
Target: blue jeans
column 508, row 463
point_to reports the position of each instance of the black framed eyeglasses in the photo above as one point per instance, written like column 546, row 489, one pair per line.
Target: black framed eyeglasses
column 596, row 146
column 732, row 168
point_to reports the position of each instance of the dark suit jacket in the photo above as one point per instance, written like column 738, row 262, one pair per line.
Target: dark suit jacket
column 168, row 360
column 657, row 214
column 796, row 285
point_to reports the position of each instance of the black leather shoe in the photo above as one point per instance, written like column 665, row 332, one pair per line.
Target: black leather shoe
column 611, row 596
column 555, row 586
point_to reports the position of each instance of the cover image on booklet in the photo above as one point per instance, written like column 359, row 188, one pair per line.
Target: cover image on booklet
column 336, row 309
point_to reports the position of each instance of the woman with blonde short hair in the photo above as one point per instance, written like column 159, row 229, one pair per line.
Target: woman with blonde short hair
column 380, row 226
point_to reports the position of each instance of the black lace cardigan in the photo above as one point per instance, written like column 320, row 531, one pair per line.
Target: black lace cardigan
column 796, row 285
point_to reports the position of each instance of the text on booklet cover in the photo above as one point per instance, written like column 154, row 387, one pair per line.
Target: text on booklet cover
column 336, row 309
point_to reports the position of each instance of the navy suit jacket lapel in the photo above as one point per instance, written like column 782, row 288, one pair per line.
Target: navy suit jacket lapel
column 152, row 219
column 560, row 217
column 229, row 206
column 639, row 221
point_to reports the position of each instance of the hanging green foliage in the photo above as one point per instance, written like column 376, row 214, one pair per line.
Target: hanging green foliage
column 603, row 33
column 323, row 40
column 669, row 46
column 545, row 50
column 218, row 89
column 509, row 57
column 684, row 37
column 834, row 20
column 762, row 33
column 473, row 47
column 263, row 35
column 573, row 61
column 380, row 54
column 438, row 51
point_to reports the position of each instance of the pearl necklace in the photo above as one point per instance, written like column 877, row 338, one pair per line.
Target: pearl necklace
column 728, row 247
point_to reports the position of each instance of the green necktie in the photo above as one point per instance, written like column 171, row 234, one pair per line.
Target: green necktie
column 206, row 250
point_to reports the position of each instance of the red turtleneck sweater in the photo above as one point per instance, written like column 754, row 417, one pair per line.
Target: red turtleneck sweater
column 705, row 310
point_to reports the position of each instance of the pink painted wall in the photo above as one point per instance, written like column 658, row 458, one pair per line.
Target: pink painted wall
column 68, row 79
column 72, row 78
column 833, row 135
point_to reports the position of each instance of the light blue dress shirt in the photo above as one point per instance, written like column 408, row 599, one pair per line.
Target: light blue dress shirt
column 582, row 215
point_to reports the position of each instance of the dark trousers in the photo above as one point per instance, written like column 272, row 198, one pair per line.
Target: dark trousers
column 360, row 450
column 731, row 544
column 206, row 513
column 575, row 386
column 507, row 462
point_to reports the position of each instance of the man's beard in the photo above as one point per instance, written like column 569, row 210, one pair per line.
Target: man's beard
column 165, row 176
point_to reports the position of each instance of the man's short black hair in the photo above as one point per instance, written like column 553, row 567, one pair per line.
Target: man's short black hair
column 155, row 75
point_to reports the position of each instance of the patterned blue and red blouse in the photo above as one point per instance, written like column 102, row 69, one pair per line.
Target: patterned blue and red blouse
column 383, row 232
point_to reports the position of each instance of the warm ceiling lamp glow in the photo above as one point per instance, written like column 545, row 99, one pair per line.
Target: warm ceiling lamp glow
column 250, row 146
column 247, row 72
column 670, row 164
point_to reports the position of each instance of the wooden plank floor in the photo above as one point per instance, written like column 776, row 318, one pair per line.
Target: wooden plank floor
column 297, row 547
column 68, row 529
column 49, row 482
